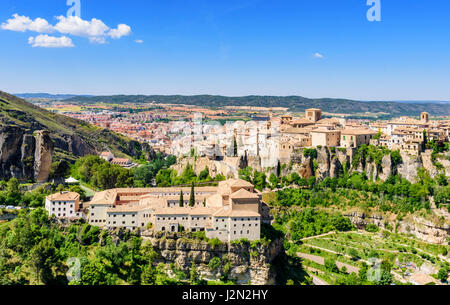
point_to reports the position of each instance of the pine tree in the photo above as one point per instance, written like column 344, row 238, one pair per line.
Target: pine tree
column 181, row 199
column 192, row 197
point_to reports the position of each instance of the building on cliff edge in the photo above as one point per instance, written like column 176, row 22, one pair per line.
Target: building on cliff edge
column 230, row 211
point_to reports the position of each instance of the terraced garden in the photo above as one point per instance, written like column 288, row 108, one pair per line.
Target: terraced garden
column 352, row 251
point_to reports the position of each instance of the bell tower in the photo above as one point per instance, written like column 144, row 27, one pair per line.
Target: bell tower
column 424, row 117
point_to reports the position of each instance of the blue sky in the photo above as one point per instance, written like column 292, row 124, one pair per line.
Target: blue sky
column 236, row 47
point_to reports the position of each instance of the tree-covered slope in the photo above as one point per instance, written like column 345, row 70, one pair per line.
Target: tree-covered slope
column 294, row 103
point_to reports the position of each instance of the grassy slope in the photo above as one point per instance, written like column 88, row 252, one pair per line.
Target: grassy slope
column 16, row 111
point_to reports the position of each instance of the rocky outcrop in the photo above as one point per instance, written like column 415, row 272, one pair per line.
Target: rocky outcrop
column 43, row 154
column 228, row 167
column 332, row 161
column 423, row 229
column 409, row 166
column 323, row 161
column 428, row 163
column 25, row 156
column 245, row 264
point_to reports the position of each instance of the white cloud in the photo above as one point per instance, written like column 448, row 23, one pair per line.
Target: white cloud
column 23, row 23
column 45, row 41
column 318, row 55
column 97, row 39
column 95, row 30
column 74, row 25
column 122, row 30
column 139, row 41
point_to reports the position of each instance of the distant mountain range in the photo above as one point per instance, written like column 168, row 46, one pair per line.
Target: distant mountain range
column 424, row 102
column 47, row 96
column 294, row 103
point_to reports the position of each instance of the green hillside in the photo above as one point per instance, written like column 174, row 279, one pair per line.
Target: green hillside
column 72, row 137
column 294, row 103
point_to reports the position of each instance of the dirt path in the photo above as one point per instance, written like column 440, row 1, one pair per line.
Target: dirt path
column 314, row 258
column 321, row 235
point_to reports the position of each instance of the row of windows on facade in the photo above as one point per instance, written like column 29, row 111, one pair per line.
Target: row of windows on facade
column 237, row 219
column 123, row 222
column 243, row 225
column 64, row 215
column 234, row 232
column 61, row 202
column 182, row 218
column 59, row 209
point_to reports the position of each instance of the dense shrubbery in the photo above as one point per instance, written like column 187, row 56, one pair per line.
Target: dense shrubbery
column 395, row 194
column 310, row 222
column 102, row 175
column 258, row 179
column 169, row 177
column 34, row 250
column 11, row 194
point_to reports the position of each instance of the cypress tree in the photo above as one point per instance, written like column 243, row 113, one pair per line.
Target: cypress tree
column 181, row 199
column 192, row 197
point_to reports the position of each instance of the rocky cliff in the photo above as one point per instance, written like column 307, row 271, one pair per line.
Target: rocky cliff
column 25, row 156
column 31, row 138
column 239, row 262
column 430, row 231
column 331, row 162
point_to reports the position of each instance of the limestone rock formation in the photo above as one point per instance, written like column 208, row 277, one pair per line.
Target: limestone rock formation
column 43, row 156
column 409, row 166
column 25, row 156
column 247, row 264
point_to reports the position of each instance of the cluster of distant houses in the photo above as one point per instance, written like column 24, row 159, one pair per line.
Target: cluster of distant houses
column 124, row 162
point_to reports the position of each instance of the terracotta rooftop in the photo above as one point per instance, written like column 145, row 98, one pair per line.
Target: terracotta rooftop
column 184, row 211
column 62, row 196
column 243, row 194
column 357, row 131
column 128, row 208
column 237, row 183
column 235, row 213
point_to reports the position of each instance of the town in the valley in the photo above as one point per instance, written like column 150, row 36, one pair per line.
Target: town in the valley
column 233, row 209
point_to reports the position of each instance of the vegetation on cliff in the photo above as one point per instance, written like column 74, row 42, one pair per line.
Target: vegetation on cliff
column 72, row 137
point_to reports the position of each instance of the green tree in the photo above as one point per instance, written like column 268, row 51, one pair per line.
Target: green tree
column 330, row 265
column 192, row 196
column 181, row 199
column 42, row 257
column 273, row 181
column 148, row 275
column 193, row 274
column 443, row 274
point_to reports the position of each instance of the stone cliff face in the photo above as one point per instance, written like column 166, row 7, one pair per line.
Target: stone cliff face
column 331, row 163
column 43, row 154
column 25, row 156
column 246, row 264
column 228, row 167
column 423, row 229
